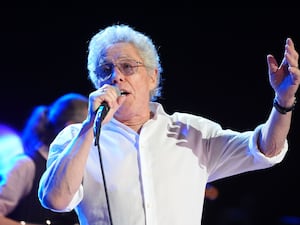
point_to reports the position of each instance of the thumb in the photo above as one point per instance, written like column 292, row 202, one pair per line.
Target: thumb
column 272, row 64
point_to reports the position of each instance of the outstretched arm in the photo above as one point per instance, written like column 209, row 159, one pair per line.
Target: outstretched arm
column 284, row 79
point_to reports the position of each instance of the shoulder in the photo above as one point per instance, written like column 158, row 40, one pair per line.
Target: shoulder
column 20, row 167
column 21, row 162
column 69, row 131
column 63, row 138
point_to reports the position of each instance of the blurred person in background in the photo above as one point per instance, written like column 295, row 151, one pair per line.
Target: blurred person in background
column 18, row 191
column 10, row 146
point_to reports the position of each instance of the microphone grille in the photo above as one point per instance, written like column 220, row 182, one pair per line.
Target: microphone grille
column 117, row 91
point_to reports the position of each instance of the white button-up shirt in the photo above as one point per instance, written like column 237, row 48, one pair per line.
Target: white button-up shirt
column 158, row 177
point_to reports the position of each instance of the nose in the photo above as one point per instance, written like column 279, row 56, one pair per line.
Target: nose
column 116, row 75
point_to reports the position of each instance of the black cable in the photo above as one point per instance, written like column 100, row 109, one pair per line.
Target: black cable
column 104, row 184
column 97, row 143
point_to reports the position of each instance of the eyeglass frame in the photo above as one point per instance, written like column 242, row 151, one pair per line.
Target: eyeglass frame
column 117, row 65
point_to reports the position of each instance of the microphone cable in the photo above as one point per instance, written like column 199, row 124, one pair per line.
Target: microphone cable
column 101, row 113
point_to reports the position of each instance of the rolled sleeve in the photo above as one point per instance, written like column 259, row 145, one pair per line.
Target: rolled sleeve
column 259, row 155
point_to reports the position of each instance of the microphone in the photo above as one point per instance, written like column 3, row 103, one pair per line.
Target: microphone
column 101, row 112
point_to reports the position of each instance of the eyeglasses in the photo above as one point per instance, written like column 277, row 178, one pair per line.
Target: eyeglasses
column 126, row 66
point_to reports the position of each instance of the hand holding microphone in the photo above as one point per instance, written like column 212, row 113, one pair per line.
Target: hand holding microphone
column 101, row 113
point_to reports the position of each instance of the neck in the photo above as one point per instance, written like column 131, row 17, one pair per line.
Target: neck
column 137, row 123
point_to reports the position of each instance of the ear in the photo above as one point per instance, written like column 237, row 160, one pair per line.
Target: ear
column 153, row 79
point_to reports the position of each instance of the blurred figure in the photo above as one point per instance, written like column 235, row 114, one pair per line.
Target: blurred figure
column 18, row 192
column 10, row 145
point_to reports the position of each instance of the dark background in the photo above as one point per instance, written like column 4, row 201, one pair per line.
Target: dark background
column 214, row 62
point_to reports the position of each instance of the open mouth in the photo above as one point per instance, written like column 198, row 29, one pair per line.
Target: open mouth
column 123, row 92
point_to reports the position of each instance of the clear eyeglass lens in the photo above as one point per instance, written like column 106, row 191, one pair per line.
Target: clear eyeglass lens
column 127, row 68
column 105, row 70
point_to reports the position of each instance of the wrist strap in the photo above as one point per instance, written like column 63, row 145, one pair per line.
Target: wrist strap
column 282, row 109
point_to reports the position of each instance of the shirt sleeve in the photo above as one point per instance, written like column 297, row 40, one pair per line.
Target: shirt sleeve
column 232, row 153
column 259, row 155
column 57, row 149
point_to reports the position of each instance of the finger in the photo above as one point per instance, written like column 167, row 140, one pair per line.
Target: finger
column 289, row 45
column 272, row 64
column 291, row 60
column 111, row 95
column 295, row 74
column 291, row 56
column 289, row 42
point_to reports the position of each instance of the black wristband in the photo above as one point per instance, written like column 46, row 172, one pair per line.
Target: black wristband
column 281, row 109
